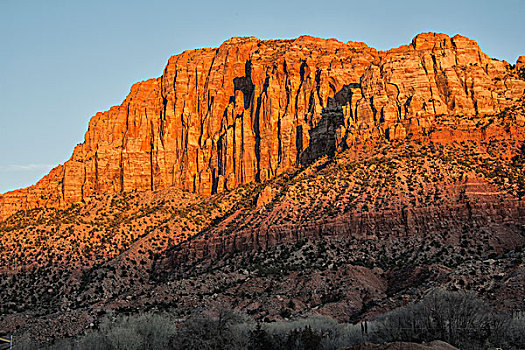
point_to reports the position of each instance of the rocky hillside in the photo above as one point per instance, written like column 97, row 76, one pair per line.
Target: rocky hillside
column 280, row 178
column 349, row 236
column 251, row 110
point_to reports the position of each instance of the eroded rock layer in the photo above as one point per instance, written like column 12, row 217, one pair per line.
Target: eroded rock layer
column 251, row 109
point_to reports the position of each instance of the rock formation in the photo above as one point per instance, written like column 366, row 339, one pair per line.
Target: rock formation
column 251, row 109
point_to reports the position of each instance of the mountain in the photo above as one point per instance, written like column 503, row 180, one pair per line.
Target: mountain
column 251, row 109
column 281, row 178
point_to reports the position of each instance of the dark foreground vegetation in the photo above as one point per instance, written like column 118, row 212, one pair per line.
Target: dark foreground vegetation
column 459, row 318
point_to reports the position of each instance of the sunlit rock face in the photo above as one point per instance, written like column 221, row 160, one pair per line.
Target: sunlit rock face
column 251, row 109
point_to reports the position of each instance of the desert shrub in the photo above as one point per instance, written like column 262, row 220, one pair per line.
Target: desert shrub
column 24, row 342
column 60, row 344
column 144, row 332
column 94, row 341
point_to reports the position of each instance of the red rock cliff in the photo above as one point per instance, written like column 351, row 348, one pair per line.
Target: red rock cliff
column 247, row 111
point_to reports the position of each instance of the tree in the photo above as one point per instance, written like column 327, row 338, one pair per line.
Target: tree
column 259, row 339
column 459, row 318
column 203, row 331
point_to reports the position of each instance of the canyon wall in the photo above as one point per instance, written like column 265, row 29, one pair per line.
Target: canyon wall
column 251, row 109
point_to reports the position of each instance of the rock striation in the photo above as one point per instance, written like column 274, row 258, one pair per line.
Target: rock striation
column 251, row 109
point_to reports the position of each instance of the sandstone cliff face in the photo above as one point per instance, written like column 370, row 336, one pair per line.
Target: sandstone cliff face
column 251, row 109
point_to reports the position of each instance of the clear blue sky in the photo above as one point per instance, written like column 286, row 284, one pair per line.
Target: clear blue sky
column 62, row 61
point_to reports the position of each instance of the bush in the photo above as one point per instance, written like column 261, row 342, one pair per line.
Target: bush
column 24, row 342
column 144, row 332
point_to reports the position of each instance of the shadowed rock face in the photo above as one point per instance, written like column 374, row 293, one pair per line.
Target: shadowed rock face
column 251, row 109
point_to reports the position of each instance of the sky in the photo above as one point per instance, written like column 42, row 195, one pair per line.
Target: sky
column 63, row 61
